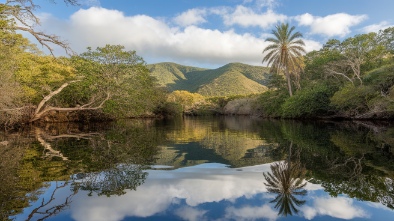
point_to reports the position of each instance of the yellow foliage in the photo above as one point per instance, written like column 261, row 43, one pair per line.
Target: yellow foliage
column 39, row 74
column 185, row 98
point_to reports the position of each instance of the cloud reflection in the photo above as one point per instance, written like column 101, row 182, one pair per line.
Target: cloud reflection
column 185, row 190
column 251, row 213
column 196, row 185
column 340, row 207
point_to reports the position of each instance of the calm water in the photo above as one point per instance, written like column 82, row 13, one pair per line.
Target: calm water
column 227, row 168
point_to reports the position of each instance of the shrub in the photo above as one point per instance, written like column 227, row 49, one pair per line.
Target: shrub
column 169, row 109
column 271, row 102
column 309, row 102
column 352, row 101
column 382, row 78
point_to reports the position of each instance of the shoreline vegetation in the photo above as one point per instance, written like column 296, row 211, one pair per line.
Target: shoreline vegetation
column 349, row 79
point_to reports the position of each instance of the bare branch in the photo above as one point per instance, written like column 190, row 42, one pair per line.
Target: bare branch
column 22, row 13
column 40, row 111
column 49, row 96
column 332, row 72
column 44, row 39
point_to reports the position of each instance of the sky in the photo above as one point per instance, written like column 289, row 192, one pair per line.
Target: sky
column 207, row 33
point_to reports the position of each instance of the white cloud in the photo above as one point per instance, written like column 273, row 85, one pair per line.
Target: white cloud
column 330, row 25
column 267, row 3
column 340, row 207
column 196, row 185
column 155, row 40
column 311, row 45
column 376, row 27
column 247, row 17
column 251, row 213
column 190, row 213
column 191, row 17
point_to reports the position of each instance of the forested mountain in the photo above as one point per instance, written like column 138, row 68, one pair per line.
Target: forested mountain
column 230, row 79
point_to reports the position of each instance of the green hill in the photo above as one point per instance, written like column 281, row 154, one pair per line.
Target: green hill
column 169, row 73
column 231, row 79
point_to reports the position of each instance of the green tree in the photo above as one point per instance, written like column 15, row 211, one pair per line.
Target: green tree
column 284, row 54
column 357, row 55
column 114, row 80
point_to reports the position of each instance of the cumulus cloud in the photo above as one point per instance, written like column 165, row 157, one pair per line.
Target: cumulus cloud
column 331, row 25
column 191, row 17
column 155, row 40
column 311, row 45
column 251, row 213
column 190, row 213
column 340, row 207
column 376, row 27
column 247, row 17
column 196, row 185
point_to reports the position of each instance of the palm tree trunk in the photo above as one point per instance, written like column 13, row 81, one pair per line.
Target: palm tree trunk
column 289, row 83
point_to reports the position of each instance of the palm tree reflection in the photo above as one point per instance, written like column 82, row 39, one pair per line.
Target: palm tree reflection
column 287, row 181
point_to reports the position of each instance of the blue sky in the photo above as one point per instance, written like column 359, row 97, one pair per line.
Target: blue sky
column 207, row 33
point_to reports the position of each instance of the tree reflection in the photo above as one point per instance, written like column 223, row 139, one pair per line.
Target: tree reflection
column 112, row 181
column 48, row 207
column 286, row 180
column 108, row 159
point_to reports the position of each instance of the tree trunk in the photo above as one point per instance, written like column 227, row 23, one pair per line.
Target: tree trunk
column 289, row 82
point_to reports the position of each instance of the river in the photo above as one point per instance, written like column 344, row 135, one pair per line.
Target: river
column 195, row 168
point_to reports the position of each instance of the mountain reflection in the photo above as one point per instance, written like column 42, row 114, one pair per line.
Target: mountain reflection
column 215, row 173
column 286, row 180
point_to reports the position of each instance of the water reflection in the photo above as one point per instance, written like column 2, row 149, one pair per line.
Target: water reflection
column 213, row 169
column 113, row 181
column 50, row 206
column 286, row 181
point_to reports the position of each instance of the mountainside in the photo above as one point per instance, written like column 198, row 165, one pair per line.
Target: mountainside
column 231, row 79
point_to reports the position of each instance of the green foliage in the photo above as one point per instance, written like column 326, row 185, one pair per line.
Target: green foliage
column 38, row 75
column 271, row 102
column 169, row 109
column 316, row 61
column 120, row 76
column 309, row 102
column 352, row 100
column 382, row 78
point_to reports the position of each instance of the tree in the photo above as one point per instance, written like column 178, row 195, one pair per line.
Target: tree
column 12, row 53
column 359, row 54
column 19, row 15
column 186, row 99
column 110, row 79
column 284, row 54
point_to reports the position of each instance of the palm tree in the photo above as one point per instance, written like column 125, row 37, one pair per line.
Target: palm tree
column 285, row 52
column 286, row 179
